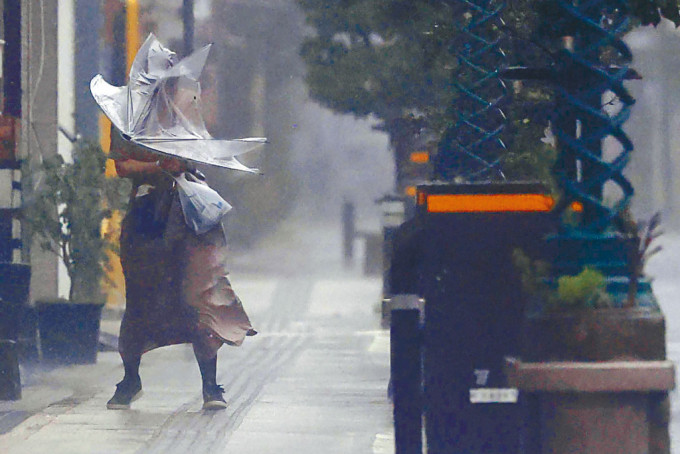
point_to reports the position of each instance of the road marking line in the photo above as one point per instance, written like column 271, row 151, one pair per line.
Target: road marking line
column 384, row 443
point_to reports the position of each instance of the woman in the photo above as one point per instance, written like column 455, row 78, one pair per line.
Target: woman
column 177, row 290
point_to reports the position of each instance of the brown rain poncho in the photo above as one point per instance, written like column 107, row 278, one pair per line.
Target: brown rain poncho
column 176, row 284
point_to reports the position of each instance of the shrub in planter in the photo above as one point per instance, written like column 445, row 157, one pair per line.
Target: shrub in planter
column 588, row 316
column 66, row 207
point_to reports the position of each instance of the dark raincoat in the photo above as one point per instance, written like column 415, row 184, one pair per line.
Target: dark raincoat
column 177, row 289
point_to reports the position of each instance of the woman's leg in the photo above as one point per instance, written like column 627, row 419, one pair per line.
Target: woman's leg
column 130, row 388
column 130, row 346
column 131, row 367
column 205, row 349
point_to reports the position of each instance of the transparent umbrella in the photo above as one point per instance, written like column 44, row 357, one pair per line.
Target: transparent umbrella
column 159, row 109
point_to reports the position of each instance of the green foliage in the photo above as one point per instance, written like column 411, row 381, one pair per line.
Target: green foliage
column 386, row 58
column 531, row 157
column 533, row 275
column 645, row 231
column 395, row 59
column 65, row 208
column 585, row 290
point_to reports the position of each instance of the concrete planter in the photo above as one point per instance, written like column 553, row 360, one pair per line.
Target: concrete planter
column 595, row 382
column 595, row 335
column 608, row 407
column 69, row 332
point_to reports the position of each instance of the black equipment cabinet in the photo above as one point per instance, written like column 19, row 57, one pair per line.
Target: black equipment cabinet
column 474, row 309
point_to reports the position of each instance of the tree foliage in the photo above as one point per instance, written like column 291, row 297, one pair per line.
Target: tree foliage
column 380, row 57
column 394, row 59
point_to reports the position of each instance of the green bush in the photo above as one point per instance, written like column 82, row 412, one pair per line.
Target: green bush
column 64, row 207
column 588, row 289
column 585, row 290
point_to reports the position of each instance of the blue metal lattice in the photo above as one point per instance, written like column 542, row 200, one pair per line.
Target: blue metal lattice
column 592, row 29
column 472, row 147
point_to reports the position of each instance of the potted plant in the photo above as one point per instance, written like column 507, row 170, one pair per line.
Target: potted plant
column 65, row 211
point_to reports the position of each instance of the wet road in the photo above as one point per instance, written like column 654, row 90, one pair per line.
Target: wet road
column 314, row 379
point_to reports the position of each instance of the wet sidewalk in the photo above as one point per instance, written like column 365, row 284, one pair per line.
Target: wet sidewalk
column 313, row 381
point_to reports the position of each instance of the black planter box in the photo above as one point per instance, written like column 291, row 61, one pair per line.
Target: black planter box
column 14, row 284
column 69, row 332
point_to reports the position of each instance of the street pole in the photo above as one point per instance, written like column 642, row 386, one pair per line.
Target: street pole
column 66, row 103
column 12, row 70
column 188, row 21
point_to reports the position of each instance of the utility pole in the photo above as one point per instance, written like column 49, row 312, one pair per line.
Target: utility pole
column 66, row 104
column 12, row 58
column 188, row 21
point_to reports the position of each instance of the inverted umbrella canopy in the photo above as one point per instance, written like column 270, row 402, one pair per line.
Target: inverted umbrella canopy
column 159, row 109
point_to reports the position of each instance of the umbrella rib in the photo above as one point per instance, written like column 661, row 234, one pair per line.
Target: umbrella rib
column 177, row 139
column 129, row 109
column 148, row 101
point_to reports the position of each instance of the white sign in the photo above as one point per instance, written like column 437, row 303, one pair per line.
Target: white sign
column 493, row 395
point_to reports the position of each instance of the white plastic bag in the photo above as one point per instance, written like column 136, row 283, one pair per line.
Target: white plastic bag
column 203, row 207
